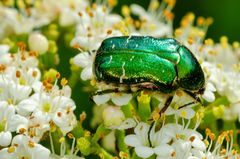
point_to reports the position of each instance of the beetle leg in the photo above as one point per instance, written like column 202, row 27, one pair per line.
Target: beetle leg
column 194, row 96
column 116, row 90
column 166, row 105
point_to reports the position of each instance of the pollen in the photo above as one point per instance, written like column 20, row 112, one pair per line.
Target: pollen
column 22, row 130
column 224, row 41
column 192, row 138
column 109, row 32
column 58, row 75
column 87, row 134
column 80, row 14
column 34, row 73
column 143, row 98
column 178, row 32
column 123, row 154
column 18, row 74
column 171, row 3
column 209, row 41
column 31, row 144
column 59, row 114
column 154, row 5
column 190, row 40
column 173, row 154
column 126, row 11
column 22, row 46
column 64, row 82
column 11, row 149
column 61, row 140
column 47, row 107
column 200, row 21
column 83, row 116
column 183, row 113
column 235, row 44
column 70, row 135
column 112, row 3
column 2, row 68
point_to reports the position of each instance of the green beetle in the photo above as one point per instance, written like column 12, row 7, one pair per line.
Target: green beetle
column 144, row 62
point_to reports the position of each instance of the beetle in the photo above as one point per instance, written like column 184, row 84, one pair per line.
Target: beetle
column 145, row 62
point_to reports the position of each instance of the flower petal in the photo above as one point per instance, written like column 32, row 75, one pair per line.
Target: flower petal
column 101, row 99
column 132, row 140
column 144, row 151
column 122, row 99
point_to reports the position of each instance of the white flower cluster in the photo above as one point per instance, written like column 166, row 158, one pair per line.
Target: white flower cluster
column 175, row 141
column 29, row 107
column 31, row 15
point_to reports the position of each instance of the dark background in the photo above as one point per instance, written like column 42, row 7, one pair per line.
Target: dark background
column 226, row 15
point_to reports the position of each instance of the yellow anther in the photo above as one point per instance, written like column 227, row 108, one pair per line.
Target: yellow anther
column 112, row 3
column 208, row 131
column 173, row 154
column 178, row 32
column 94, row 6
column 143, row 98
column 223, row 151
column 212, row 136
column 168, row 14
column 209, row 41
column 154, row 5
column 22, row 130
column 11, row 149
column 235, row 44
column 83, row 116
column 61, row 140
column 70, row 135
column 58, row 75
column 206, row 142
column 64, row 82
column 125, row 10
column 87, row 133
column 209, row 20
column 200, row 21
column 171, row 3
column 224, row 41
column 31, row 144
column 34, row 73
column 192, row 138
column 190, row 40
column 123, row 154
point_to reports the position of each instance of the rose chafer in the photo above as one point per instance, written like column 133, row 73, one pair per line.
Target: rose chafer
column 144, row 62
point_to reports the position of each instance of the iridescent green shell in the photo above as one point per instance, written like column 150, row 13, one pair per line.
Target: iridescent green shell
column 162, row 62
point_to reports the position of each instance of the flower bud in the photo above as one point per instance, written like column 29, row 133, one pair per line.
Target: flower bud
column 84, row 145
column 113, row 116
column 38, row 42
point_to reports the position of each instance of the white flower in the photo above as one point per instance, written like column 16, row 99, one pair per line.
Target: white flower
column 209, row 92
column 152, row 23
column 94, row 26
column 113, row 116
column 85, row 61
column 4, row 49
column 147, row 142
column 5, row 138
column 23, row 146
column 58, row 108
column 38, row 42
column 179, row 100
